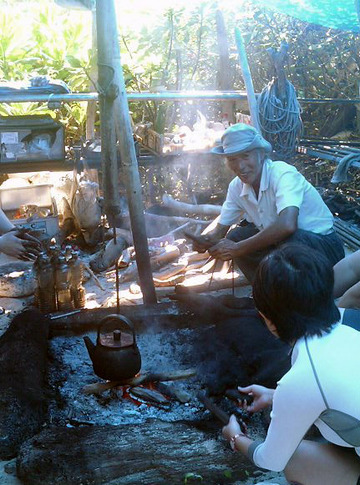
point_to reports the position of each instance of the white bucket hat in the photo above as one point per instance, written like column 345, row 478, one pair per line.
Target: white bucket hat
column 241, row 138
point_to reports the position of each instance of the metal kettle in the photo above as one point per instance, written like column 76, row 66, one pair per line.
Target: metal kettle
column 115, row 356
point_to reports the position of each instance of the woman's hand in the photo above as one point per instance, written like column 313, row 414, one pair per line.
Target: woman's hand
column 224, row 250
column 263, row 397
column 20, row 245
column 231, row 429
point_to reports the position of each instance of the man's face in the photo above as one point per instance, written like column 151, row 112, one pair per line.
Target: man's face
column 247, row 166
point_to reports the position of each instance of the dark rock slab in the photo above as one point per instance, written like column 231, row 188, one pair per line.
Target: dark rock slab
column 154, row 453
column 23, row 362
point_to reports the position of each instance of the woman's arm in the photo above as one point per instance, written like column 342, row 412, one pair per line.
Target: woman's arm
column 5, row 224
column 346, row 273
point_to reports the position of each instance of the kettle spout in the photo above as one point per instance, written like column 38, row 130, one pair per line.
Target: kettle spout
column 89, row 345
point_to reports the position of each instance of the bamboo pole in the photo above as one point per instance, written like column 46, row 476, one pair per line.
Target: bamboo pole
column 247, row 79
column 107, row 17
column 107, row 94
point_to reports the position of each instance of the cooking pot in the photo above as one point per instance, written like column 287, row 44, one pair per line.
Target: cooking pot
column 115, row 356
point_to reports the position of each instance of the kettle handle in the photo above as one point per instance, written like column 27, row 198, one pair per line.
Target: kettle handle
column 118, row 319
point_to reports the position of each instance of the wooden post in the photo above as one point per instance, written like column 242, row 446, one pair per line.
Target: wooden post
column 278, row 59
column 108, row 91
column 106, row 16
column 247, row 79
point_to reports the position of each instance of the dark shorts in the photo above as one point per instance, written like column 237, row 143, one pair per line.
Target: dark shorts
column 329, row 245
column 351, row 318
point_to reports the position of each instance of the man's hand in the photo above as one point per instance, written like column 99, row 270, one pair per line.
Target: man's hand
column 200, row 243
column 224, row 250
column 19, row 244
column 263, row 397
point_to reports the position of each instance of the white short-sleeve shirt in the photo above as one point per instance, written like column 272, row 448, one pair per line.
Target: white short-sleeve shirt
column 298, row 402
column 281, row 186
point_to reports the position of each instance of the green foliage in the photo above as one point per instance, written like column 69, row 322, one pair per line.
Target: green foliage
column 41, row 39
column 176, row 49
column 192, row 477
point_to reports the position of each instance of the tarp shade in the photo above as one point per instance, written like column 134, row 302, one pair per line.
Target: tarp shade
column 335, row 14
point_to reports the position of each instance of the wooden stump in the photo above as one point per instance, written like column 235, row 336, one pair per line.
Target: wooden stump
column 151, row 453
column 23, row 357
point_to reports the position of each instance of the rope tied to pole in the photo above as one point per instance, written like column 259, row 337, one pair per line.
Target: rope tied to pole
column 280, row 118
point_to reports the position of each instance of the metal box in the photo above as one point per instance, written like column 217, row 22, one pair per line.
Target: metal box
column 30, row 138
column 14, row 202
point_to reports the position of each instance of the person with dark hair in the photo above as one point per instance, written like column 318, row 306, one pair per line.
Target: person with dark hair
column 293, row 291
column 273, row 202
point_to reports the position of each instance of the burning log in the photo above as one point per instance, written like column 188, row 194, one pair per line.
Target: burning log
column 23, row 357
column 149, row 395
column 100, row 387
column 151, row 453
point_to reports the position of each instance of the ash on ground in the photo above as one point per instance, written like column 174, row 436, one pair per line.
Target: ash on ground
column 162, row 352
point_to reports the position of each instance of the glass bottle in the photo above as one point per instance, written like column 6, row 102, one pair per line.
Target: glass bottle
column 62, row 285
column 76, row 279
column 45, row 295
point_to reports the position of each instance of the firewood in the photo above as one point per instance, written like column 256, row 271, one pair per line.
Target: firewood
column 169, row 253
column 208, row 282
column 100, row 387
column 125, row 258
column 184, row 208
column 149, row 395
column 173, row 281
column 107, row 257
column 195, row 256
column 93, row 276
column 169, row 271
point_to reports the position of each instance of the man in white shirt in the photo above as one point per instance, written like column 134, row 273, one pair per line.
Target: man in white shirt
column 274, row 203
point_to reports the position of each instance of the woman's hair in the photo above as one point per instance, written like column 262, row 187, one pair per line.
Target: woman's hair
column 293, row 288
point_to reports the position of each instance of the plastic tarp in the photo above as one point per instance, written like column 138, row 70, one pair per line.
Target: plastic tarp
column 335, row 14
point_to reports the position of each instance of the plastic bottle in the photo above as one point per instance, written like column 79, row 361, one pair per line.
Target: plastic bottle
column 45, row 295
column 62, row 285
column 77, row 275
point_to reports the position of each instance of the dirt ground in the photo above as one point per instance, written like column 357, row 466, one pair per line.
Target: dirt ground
column 97, row 298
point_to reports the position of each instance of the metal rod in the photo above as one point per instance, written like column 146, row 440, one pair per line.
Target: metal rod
column 14, row 97
column 247, row 79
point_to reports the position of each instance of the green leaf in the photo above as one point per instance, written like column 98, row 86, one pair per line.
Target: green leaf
column 73, row 61
column 192, row 477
